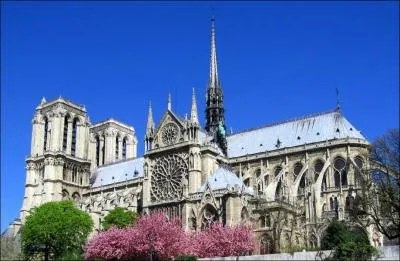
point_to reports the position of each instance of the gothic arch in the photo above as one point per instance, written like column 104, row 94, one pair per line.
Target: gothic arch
column 209, row 215
column 46, row 133
column 74, row 143
column 340, row 171
column 318, row 165
column 65, row 195
column 76, row 197
column 193, row 220
column 65, row 131
column 124, row 145
column 266, row 244
column 117, row 148
column 244, row 215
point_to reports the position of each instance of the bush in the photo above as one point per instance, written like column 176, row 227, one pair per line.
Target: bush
column 186, row 258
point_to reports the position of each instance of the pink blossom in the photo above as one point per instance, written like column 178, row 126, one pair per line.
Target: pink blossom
column 165, row 239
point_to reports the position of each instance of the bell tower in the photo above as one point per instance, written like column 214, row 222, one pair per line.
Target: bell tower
column 214, row 96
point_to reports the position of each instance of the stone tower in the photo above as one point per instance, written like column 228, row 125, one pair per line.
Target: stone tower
column 58, row 162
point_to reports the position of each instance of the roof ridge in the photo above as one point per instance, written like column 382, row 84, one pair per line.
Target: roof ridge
column 286, row 121
column 117, row 162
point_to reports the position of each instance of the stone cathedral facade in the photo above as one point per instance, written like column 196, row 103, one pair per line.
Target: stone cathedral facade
column 285, row 179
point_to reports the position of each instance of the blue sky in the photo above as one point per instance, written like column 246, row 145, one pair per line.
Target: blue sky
column 276, row 61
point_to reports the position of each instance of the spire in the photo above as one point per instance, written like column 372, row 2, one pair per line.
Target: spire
column 193, row 114
column 337, row 100
column 213, row 80
column 150, row 122
column 214, row 97
column 169, row 102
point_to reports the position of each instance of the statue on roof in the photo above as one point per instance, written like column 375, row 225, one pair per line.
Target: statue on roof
column 221, row 136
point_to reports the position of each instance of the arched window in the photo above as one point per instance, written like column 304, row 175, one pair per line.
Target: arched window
column 97, row 151
column 258, row 173
column 73, row 140
column 358, row 180
column 76, row 197
column 193, row 221
column 116, row 147
column 46, row 130
column 318, row 166
column 75, row 174
column 266, row 245
column 279, row 192
column 296, row 170
column 103, row 149
column 65, row 172
column 65, row 195
column 340, row 174
column 208, row 216
column 244, row 215
column 65, row 134
column 124, row 148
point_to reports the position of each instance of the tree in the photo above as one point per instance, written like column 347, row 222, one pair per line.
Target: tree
column 154, row 236
column 220, row 240
column 55, row 229
column 347, row 242
column 120, row 218
column 158, row 237
column 380, row 202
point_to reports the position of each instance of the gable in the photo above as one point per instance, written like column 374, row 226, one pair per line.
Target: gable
column 170, row 131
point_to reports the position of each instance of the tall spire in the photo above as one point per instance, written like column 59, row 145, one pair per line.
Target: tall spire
column 150, row 122
column 213, row 80
column 169, row 102
column 214, row 97
column 193, row 114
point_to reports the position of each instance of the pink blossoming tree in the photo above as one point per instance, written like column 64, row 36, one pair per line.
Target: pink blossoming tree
column 219, row 240
column 163, row 239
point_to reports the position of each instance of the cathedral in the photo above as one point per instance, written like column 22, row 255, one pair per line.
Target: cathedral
column 286, row 179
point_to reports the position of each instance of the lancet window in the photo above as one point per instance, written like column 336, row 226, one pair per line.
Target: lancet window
column 73, row 138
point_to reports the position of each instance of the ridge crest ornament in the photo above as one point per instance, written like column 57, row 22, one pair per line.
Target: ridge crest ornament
column 168, row 177
column 169, row 133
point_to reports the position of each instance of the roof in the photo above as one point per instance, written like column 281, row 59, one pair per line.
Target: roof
column 121, row 171
column 223, row 179
column 310, row 129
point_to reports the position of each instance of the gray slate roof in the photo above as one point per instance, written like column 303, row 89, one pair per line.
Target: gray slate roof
column 121, row 171
column 223, row 179
column 311, row 129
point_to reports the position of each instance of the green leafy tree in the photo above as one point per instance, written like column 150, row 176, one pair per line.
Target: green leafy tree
column 120, row 218
column 54, row 230
column 347, row 242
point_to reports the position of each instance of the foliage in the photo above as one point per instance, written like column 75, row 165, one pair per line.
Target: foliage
column 219, row 240
column 380, row 202
column 154, row 235
column 186, row 258
column 55, row 229
column 162, row 238
column 347, row 242
column 120, row 218
column 10, row 249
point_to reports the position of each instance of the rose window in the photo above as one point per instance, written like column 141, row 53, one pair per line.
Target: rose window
column 169, row 133
column 167, row 177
